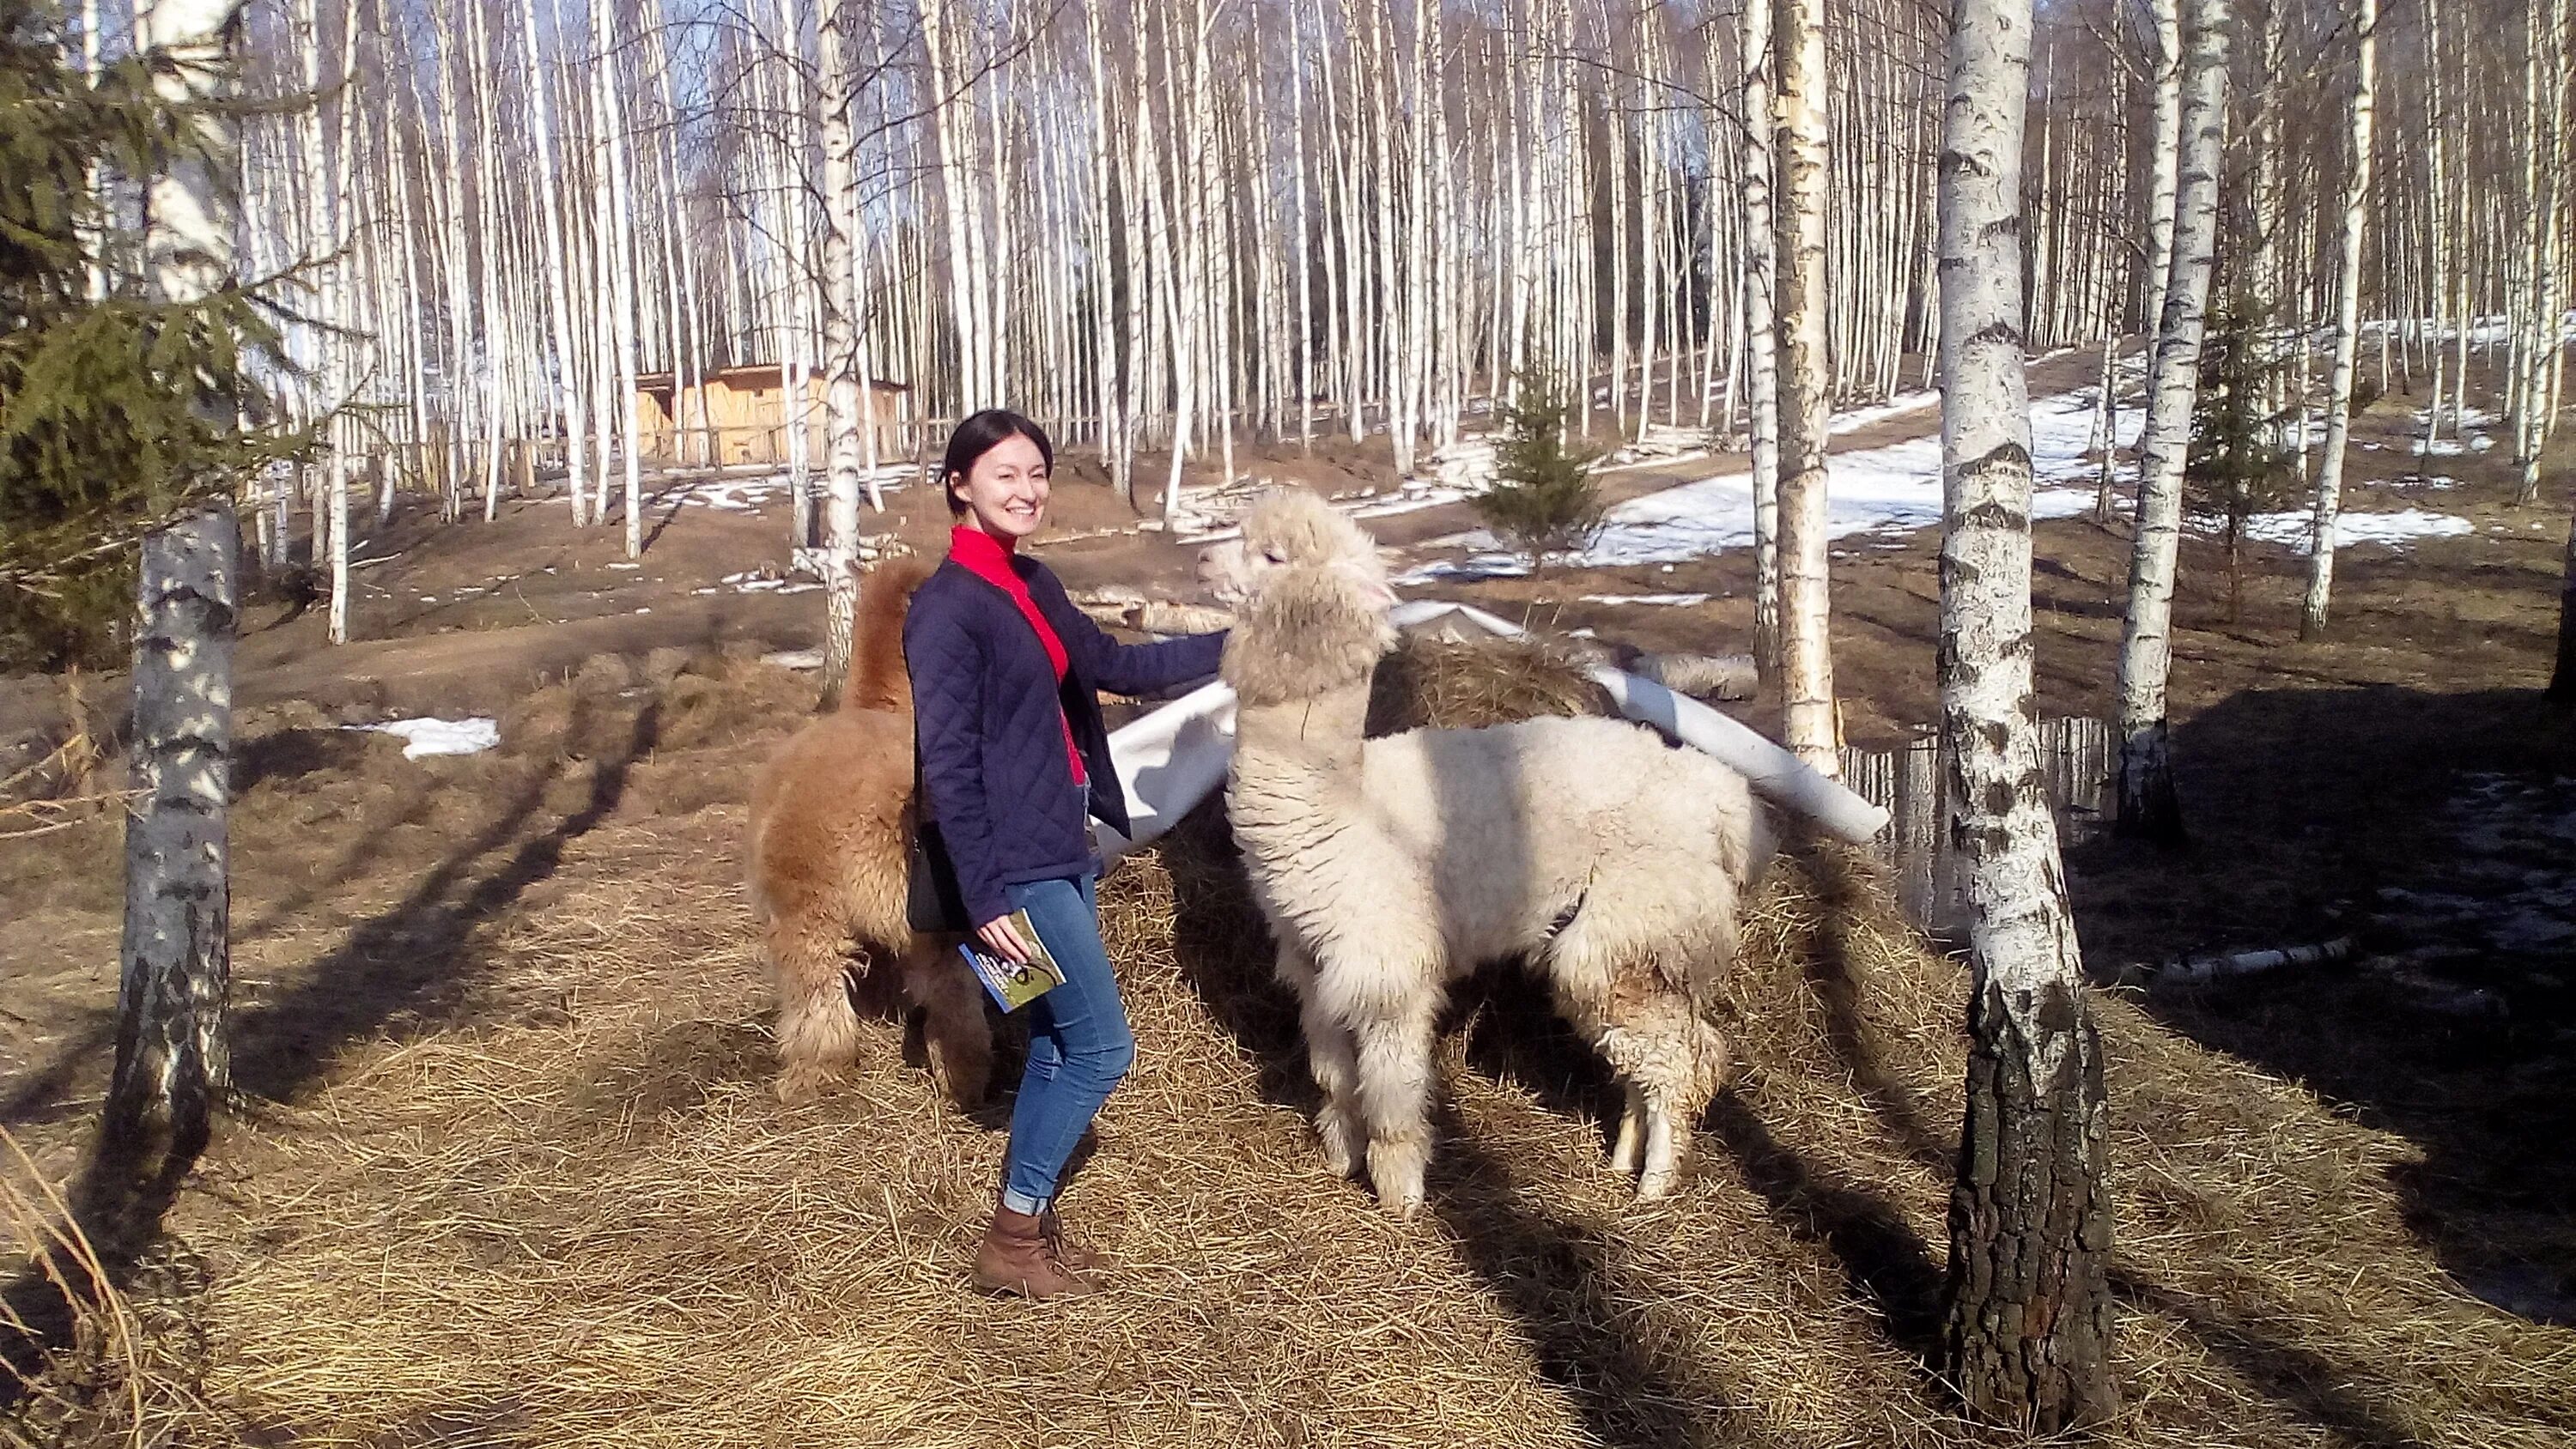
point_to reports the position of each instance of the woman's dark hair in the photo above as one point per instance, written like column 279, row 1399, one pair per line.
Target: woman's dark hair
column 978, row 435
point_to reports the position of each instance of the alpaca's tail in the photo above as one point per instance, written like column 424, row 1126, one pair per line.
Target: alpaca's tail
column 877, row 678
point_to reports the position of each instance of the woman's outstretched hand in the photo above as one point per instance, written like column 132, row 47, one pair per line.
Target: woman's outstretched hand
column 1004, row 938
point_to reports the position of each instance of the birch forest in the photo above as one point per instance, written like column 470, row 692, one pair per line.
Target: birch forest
column 1166, row 227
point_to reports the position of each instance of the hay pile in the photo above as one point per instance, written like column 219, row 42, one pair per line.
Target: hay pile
column 590, row 1225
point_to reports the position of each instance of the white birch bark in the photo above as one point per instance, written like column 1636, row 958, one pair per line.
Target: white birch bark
column 2024, row 1348
column 173, row 1061
column 1808, row 725
column 2147, row 805
column 623, row 297
column 558, row 381
column 2164, row 152
column 1761, row 253
column 2356, row 206
column 840, row 349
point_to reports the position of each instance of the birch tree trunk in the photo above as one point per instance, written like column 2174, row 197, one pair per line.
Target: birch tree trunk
column 2026, row 1334
column 2147, row 805
column 339, row 526
column 844, row 396
column 1761, row 253
column 1806, row 645
column 2356, row 206
column 557, row 381
column 623, row 293
column 173, row 1059
column 2164, row 154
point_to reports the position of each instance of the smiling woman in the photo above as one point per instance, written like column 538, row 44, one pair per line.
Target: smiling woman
column 1014, row 759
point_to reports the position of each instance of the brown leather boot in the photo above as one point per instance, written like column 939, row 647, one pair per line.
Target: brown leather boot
column 1080, row 1260
column 1015, row 1259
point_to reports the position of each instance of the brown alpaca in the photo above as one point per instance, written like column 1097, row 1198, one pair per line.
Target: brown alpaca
column 829, row 849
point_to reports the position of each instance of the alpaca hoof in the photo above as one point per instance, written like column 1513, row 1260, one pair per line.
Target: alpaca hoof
column 1654, row 1185
column 1397, row 1173
column 967, row 1090
column 1335, row 1140
column 796, row 1089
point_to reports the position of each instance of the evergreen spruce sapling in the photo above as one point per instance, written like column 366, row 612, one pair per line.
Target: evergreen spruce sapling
column 118, row 412
column 1544, row 499
column 2236, row 467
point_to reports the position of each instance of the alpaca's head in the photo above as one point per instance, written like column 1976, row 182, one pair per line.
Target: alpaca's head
column 1311, row 598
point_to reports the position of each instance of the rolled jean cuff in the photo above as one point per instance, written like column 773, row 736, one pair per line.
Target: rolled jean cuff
column 1023, row 1204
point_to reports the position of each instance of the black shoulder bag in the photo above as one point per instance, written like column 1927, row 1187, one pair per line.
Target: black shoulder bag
column 933, row 904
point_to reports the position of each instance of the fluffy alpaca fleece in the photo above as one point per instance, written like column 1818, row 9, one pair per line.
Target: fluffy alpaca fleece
column 829, row 851
column 1388, row 868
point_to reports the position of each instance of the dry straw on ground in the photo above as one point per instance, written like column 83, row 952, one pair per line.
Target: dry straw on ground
column 590, row 1225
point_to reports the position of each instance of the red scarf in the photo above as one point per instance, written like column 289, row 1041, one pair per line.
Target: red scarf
column 989, row 559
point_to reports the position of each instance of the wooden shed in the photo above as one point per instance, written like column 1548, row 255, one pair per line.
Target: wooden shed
column 747, row 412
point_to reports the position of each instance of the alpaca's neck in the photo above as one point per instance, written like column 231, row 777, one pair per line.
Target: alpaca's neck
column 1302, row 740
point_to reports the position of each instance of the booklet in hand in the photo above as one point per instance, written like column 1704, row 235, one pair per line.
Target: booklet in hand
column 1010, row 984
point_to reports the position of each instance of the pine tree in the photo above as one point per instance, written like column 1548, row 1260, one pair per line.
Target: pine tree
column 2236, row 466
column 117, row 411
column 1544, row 500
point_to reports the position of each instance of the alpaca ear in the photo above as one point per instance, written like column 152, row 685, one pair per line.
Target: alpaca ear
column 1369, row 581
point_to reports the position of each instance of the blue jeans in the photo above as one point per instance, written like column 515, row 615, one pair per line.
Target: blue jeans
column 1079, row 1044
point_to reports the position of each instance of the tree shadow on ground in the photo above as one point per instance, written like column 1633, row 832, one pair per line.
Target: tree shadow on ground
column 418, row 960
column 415, row 961
column 1850, row 890
column 2305, row 805
column 1885, row 1264
column 1558, row 1277
column 2316, row 1388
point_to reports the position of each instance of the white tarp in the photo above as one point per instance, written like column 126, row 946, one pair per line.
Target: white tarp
column 1172, row 758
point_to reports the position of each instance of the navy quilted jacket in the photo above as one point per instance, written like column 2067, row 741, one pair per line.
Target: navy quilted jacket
column 985, row 714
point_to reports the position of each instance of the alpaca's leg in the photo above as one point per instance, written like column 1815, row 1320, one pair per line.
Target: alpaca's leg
column 1632, row 1121
column 1395, row 1095
column 1663, row 1153
column 1332, row 1057
column 953, row 1025
column 818, row 1030
column 1657, row 1046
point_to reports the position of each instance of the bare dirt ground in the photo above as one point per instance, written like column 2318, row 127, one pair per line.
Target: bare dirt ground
column 498, row 1023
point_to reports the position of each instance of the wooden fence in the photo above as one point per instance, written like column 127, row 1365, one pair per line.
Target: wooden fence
column 2076, row 761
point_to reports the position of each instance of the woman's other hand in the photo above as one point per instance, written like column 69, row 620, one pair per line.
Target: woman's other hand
column 1004, row 938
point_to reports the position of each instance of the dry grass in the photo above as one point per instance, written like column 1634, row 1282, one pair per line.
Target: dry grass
column 1447, row 685
column 590, row 1225
column 79, row 1362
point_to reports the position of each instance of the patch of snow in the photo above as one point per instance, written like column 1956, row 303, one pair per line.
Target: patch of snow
column 2388, row 530
column 2483, row 331
column 626, row 566
column 746, row 493
column 795, row 658
column 1892, row 488
column 750, row 582
column 440, row 736
column 1677, row 600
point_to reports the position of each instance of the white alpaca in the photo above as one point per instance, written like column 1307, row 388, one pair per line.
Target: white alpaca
column 1388, row 868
